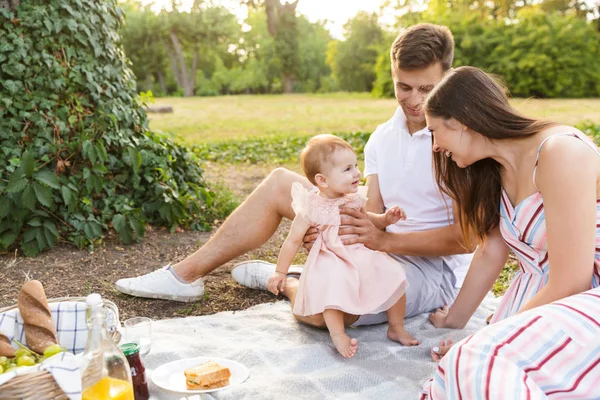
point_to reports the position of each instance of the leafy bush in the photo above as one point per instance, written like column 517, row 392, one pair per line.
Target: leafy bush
column 592, row 130
column 384, row 84
column 76, row 155
column 273, row 149
column 538, row 54
column 281, row 149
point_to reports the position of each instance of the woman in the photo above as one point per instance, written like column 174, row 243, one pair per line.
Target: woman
column 529, row 186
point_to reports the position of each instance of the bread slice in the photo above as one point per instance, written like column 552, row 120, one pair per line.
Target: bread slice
column 208, row 375
column 215, row 385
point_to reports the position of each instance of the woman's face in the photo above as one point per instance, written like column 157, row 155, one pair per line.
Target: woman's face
column 454, row 140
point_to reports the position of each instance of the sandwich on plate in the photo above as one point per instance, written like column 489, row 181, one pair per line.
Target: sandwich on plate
column 208, row 375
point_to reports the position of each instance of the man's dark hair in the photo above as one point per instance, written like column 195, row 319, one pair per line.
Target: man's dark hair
column 423, row 45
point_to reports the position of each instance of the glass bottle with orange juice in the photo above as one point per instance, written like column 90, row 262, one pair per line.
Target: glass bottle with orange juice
column 106, row 374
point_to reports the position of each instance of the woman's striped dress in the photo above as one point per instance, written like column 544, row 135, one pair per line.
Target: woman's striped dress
column 552, row 351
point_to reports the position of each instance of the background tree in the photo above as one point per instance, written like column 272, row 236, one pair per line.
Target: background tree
column 206, row 51
column 543, row 50
column 142, row 41
column 353, row 59
column 282, row 26
column 313, row 39
column 187, row 33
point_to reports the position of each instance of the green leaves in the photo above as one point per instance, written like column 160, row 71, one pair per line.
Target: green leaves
column 135, row 159
column 28, row 197
column 43, row 194
column 78, row 159
column 536, row 52
column 48, row 178
column 17, row 181
column 275, row 149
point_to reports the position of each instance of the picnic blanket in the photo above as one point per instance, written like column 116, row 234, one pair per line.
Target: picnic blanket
column 290, row 361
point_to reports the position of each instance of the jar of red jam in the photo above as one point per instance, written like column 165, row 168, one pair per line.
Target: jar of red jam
column 138, row 372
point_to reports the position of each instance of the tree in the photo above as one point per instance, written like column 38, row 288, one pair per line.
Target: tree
column 142, row 41
column 538, row 52
column 187, row 32
column 282, row 26
column 313, row 39
column 353, row 60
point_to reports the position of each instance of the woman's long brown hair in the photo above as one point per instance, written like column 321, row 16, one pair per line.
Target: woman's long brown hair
column 479, row 102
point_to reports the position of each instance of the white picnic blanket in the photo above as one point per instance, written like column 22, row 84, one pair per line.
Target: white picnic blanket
column 290, row 361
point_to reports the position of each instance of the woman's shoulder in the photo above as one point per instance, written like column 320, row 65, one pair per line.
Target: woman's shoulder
column 566, row 156
column 565, row 143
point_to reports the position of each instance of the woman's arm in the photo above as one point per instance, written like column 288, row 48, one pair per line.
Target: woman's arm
column 489, row 259
column 567, row 176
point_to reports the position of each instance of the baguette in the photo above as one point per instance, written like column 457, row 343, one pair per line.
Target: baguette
column 40, row 331
column 6, row 349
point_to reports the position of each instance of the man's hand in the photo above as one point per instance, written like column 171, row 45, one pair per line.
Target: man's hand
column 363, row 231
column 276, row 283
column 309, row 238
column 438, row 352
column 439, row 316
column 393, row 215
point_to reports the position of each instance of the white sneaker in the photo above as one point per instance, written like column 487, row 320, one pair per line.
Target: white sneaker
column 255, row 273
column 162, row 284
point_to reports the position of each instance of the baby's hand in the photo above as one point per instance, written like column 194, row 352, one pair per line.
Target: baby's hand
column 394, row 214
column 276, row 283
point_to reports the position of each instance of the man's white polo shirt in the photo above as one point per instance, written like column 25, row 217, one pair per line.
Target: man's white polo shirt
column 403, row 164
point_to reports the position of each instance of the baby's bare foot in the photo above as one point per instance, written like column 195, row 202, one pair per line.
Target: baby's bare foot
column 399, row 334
column 345, row 345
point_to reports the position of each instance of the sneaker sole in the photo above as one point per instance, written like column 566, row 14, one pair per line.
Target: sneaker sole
column 295, row 269
column 181, row 299
column 294, row 272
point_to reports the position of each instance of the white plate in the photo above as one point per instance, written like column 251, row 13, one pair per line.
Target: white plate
column 170, row 376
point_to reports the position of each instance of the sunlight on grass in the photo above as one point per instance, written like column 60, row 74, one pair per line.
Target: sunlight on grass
column 225, row 117
column 201, row 119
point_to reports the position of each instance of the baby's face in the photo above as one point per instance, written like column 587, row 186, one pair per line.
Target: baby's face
column 342, row 172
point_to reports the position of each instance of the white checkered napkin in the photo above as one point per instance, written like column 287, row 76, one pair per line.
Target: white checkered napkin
column 64, row 368
column 70, row 319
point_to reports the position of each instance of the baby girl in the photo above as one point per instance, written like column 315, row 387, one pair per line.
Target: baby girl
column 339, row 279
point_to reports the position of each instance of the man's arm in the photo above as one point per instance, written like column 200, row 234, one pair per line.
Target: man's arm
column 374, row 200
column 444, row 241
column 375, row 207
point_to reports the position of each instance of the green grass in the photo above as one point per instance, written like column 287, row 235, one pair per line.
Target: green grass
column 201, row 119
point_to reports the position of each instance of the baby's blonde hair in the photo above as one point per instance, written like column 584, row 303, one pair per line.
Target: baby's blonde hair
column 317, row 153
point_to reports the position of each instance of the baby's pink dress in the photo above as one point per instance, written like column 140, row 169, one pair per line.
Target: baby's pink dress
column 353, row 279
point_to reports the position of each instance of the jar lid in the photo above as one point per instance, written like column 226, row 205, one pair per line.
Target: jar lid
column 130, row 349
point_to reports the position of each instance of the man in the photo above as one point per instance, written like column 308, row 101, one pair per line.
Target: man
column 399, row 171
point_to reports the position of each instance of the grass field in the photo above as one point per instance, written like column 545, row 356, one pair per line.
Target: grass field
column 202, row 119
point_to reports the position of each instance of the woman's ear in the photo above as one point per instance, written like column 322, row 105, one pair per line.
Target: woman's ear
column 321, row 180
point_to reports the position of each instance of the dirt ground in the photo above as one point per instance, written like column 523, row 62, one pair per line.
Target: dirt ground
column 68, row 271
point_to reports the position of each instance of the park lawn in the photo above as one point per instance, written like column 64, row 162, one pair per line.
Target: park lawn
column 201, row 119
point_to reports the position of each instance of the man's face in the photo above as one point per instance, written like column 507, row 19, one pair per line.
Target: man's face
column 412, row 87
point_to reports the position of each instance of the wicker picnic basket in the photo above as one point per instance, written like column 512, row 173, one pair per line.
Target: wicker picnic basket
column 40, row 385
